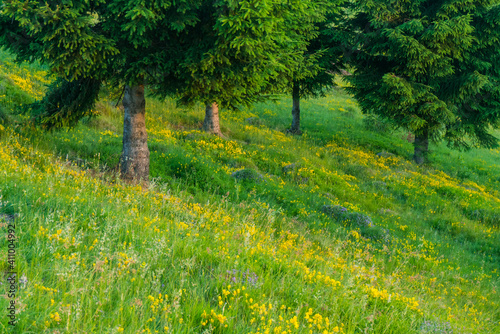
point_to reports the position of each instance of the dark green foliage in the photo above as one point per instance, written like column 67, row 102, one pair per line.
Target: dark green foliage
column 224, row 51
column 3, row 116
column 357, row 170
column 237, row 51
column 377, row 124
column 221, row 53
column 194, row 174
column 322, row 57
column 66, row 103
column 486, row 216
column 475, row 89
column 314, row 72
column 68, row 36
column 3, row 120
column 428, row 66
column 7, row 211
column 17, row 40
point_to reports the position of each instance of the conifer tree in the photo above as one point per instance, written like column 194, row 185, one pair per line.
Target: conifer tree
column 320, row 61
column 474, row 89
column 428, row 66
column 250, row 52
column 222, row 53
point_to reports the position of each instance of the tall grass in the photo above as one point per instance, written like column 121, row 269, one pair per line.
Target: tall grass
column 329, row 237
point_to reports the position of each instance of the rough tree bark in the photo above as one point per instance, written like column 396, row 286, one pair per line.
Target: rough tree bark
column 295, row 129
column 421, row 147
column 134, row 161
column 211, row 123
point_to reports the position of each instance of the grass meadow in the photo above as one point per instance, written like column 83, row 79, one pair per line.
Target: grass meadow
column 334, row 231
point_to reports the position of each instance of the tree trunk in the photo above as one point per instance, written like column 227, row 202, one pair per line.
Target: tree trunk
column 211, row 123
column 295, row 129
column 421, row 147
column 134, row 161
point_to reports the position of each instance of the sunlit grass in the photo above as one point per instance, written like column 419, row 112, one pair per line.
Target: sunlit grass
column 202, row 252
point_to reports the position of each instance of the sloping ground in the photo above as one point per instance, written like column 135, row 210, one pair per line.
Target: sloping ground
column 329, row 238
column 97, row 257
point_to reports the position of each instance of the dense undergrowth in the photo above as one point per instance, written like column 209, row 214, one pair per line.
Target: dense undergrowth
column 318, row 234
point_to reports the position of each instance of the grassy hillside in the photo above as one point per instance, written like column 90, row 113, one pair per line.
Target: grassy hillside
column 259, row 232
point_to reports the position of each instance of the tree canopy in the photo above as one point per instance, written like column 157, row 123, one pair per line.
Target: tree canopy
column 429, row 67
column 320, row 61
column 225, row 52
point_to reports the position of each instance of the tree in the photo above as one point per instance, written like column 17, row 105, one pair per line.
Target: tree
column 475, row 88
column 309, row 79
column 251, row 48
column 428, row 66
column 66, row 102
column 320, row 61
column 222, row 53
